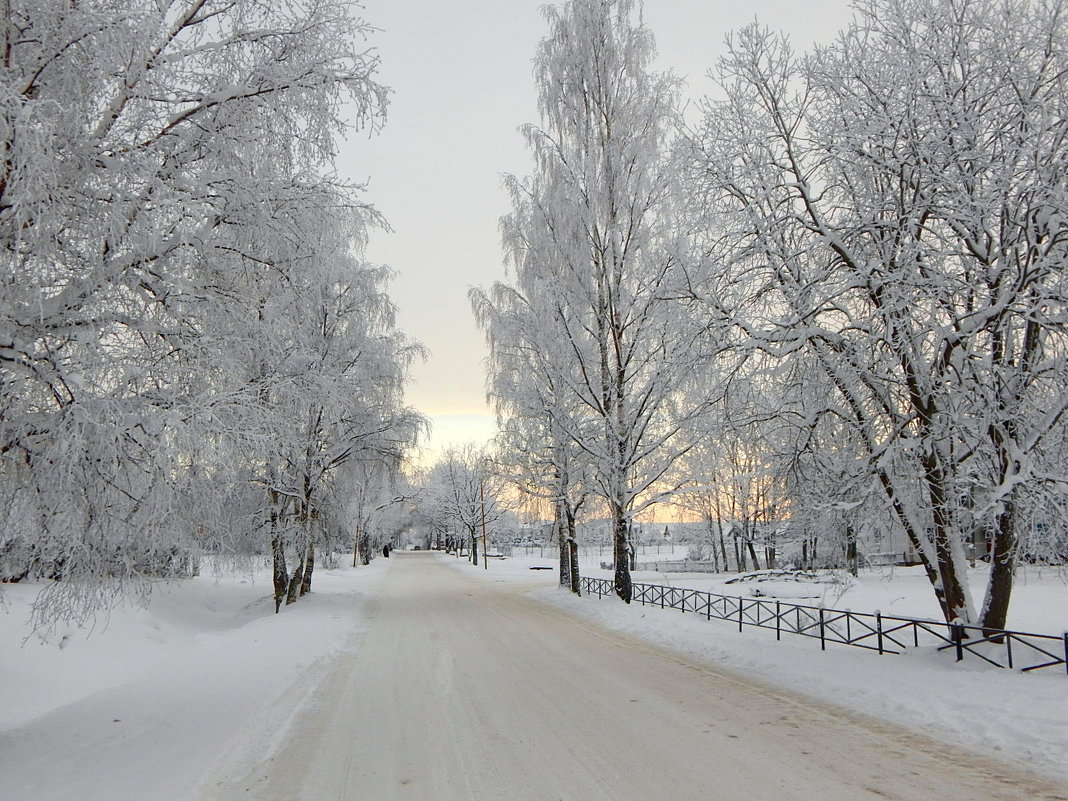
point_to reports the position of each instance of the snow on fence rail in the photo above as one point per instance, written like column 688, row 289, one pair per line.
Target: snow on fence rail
column 885, row 634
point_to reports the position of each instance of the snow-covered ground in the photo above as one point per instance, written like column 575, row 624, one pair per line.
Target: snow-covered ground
column 152, row 698
column 156, row 697
column 1019, row 716
column 1039, row 601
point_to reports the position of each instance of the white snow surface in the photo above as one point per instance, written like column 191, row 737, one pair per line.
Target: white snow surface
column 154, row 697
column 157, row 697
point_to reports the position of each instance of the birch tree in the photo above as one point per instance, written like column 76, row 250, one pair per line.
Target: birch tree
column 534, row 410
column 597, row 210
column 153, row 155
column 465, row 492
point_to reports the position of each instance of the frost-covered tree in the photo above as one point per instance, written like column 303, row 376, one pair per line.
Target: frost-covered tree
column 591, row 236
column 534, row 409
column 464, row 492
column 892, row 207
column 159, row 164
column 341, row 397
column 380, row 502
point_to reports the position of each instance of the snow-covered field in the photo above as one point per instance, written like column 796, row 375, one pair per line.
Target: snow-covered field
column 1015, row 715
column 156, row 697
column 1039, row 601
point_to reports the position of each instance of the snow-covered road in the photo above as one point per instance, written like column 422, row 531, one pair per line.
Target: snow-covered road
column 461, row 689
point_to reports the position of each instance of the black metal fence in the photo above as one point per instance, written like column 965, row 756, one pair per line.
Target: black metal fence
column 884, row 634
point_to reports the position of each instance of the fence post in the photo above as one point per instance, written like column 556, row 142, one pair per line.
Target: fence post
column 823, row 636
column 958, row 637
column 778, row 622
column 1066, row 650
column 879, row 630
column 739, row 614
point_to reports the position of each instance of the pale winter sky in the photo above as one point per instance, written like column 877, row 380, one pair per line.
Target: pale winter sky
column 462, row 85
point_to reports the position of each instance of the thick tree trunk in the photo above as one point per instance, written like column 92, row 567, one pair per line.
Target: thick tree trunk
column 295, row 581
column 995, row 611
column 474, row 548
column 1006, row 440
column 280, row 574
column 1002, row 569
column 941, row 571
column 951, row 594
column 949, row 589
column 621, row 552
column 565, row 550
column 572, row 551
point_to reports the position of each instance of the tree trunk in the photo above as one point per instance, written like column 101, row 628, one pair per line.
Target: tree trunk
column 280, row 574
column 474, row 548
column 851, row 550
column 711, row 525
column 295, row 582
column 1002, row 567
column 752, row 554
column 572, row 551
column 565, row 550
column 950, row 590
column 621, row 552
column 995, row 610
column 309, row 567
column 576, row 579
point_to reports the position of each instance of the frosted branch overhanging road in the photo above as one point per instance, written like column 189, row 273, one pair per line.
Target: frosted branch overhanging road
column 462, row 689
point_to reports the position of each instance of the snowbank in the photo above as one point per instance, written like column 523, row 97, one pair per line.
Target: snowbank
column 144, row 706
